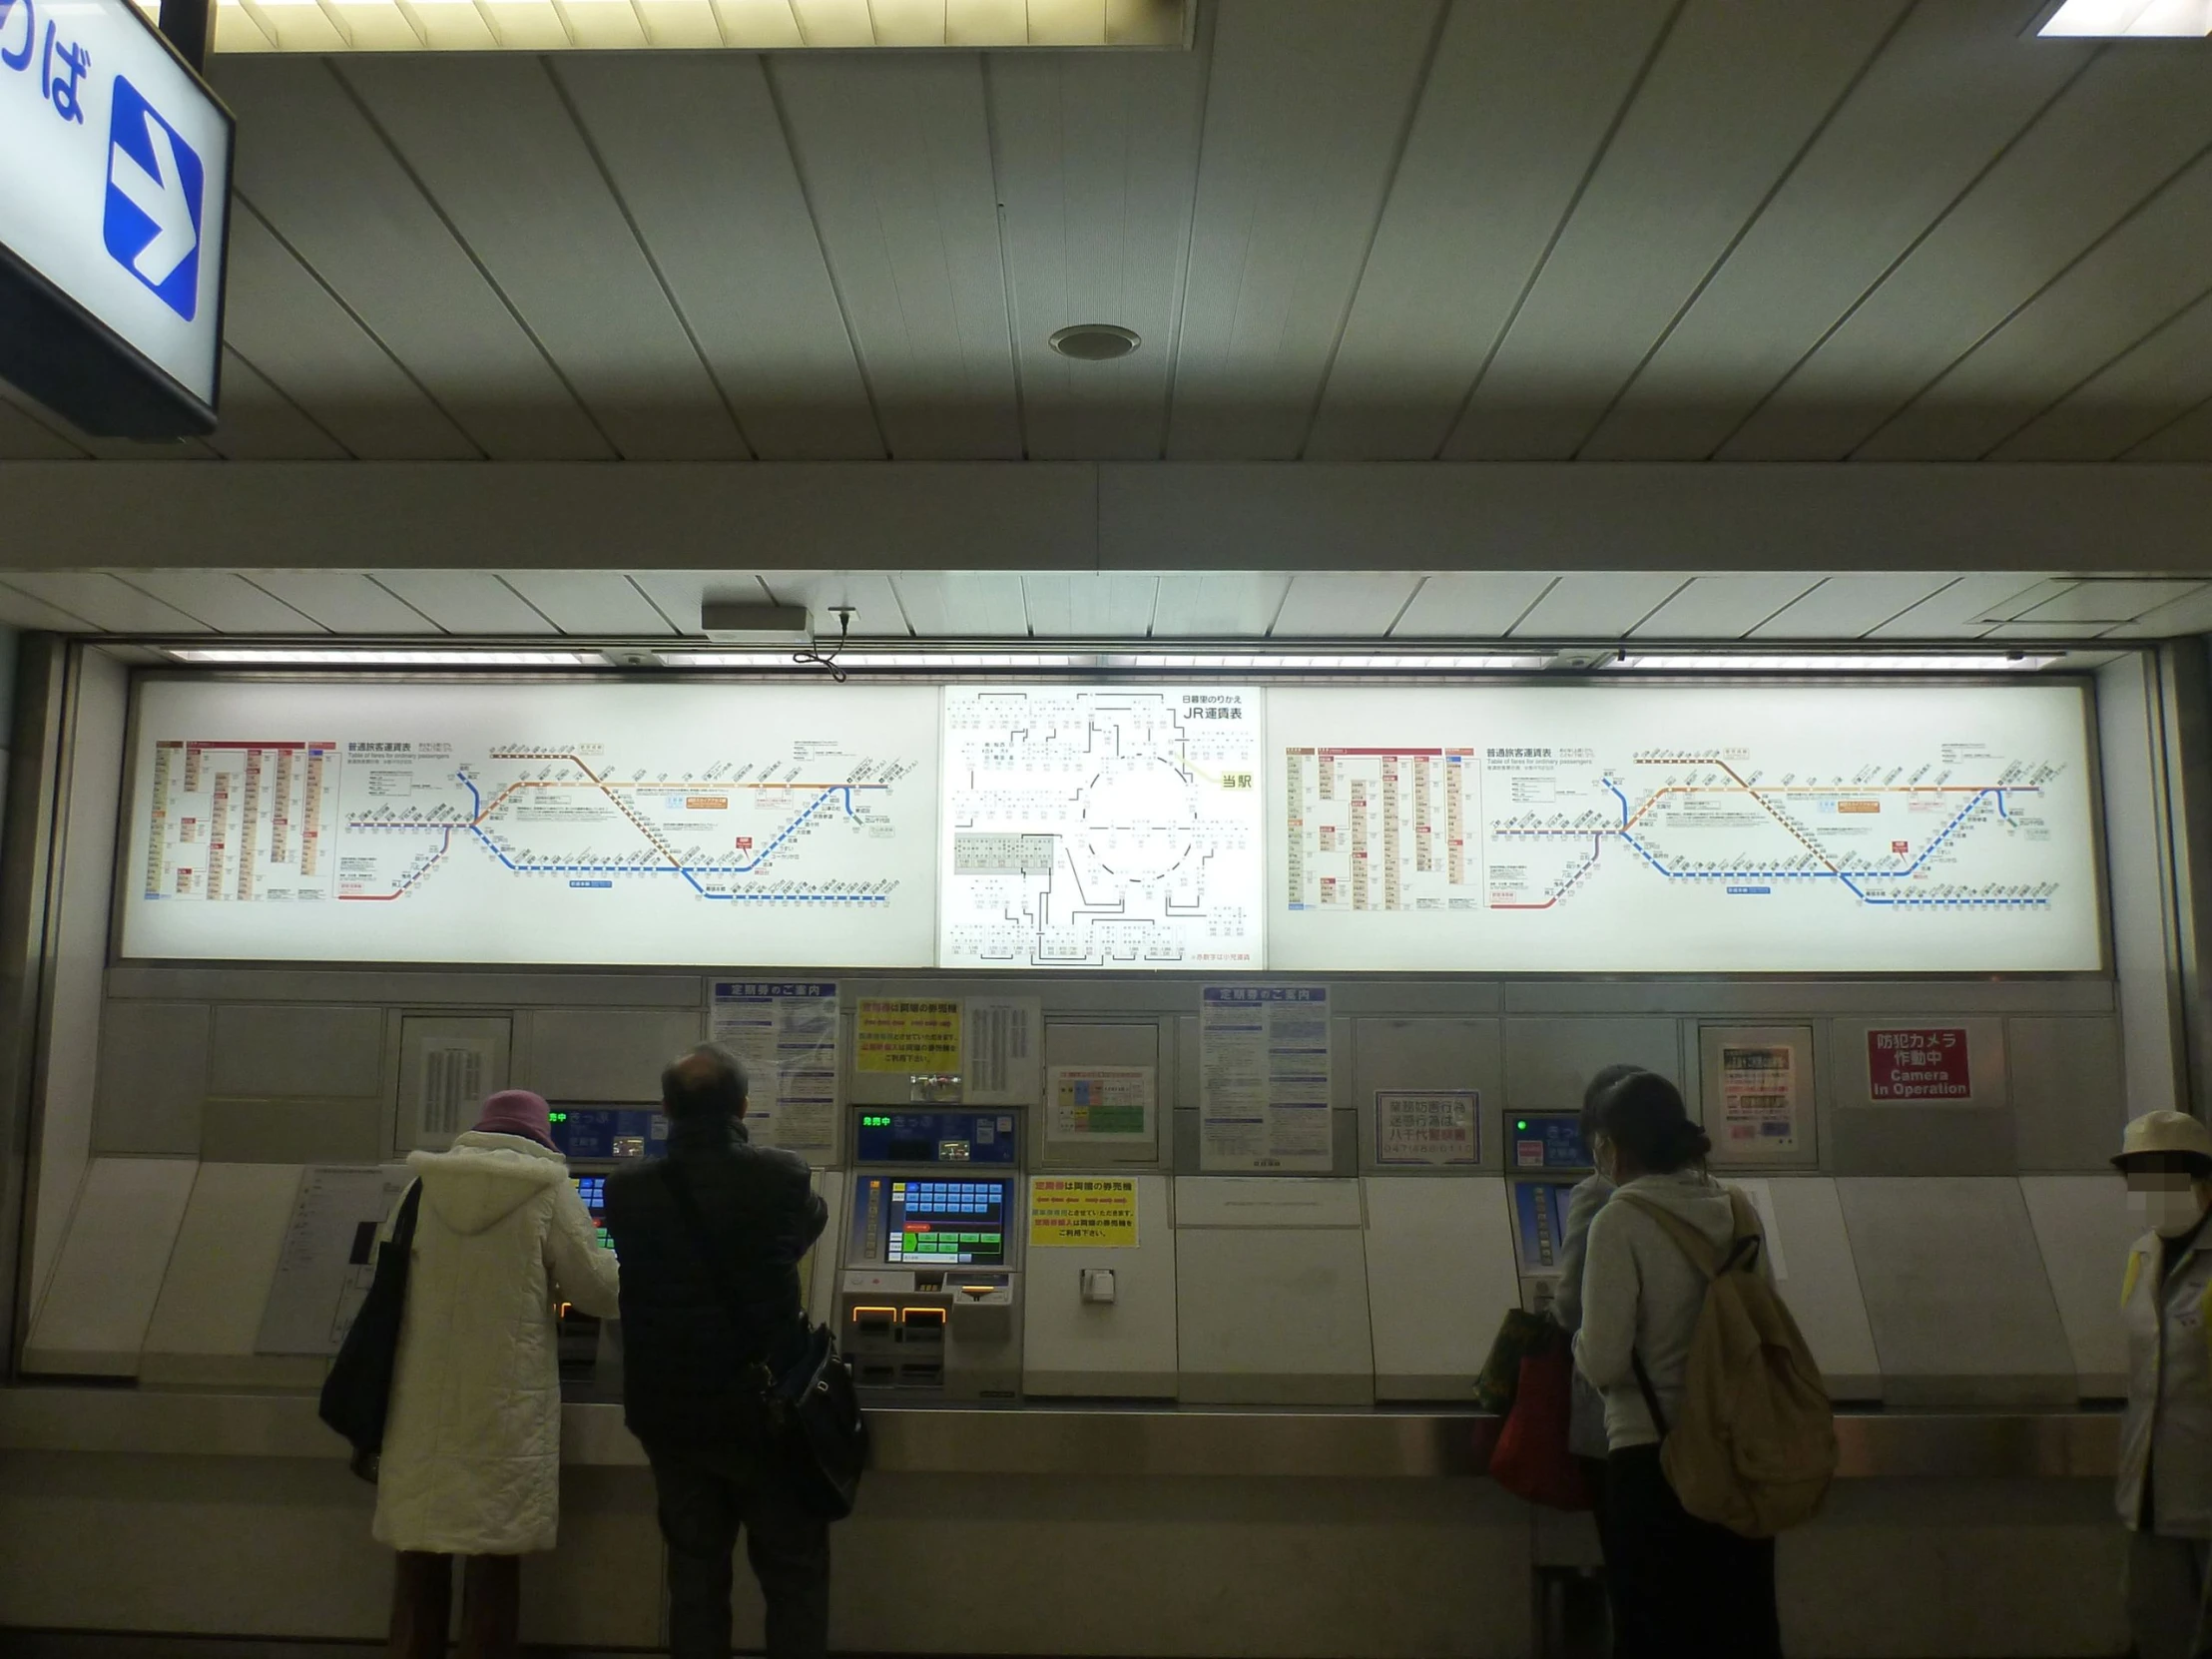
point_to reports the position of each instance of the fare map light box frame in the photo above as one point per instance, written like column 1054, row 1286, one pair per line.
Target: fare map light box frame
column 1899, row 828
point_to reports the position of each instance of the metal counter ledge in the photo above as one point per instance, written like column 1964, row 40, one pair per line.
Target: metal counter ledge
column 1352, row 1445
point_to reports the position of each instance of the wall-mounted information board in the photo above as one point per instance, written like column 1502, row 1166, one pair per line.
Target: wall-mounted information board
column 1614, row 828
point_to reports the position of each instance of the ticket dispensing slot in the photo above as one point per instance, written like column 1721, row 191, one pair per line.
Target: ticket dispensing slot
column 931, row 1269
column 1546, row 1158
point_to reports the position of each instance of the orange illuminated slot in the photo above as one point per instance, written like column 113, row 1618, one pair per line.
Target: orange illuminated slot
column 886, row 1315
column 921, row 1316
column 977, row 1290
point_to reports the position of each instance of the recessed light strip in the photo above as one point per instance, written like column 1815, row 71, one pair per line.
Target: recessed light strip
column 249, row 656
column 2129, row 20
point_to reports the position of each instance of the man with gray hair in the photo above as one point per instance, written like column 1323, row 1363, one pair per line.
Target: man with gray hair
column 710, row 1239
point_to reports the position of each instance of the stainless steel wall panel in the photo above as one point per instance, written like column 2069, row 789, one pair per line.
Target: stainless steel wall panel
column 602, row 1054
column 153, row 1075
column 1955, row 1294
column 1548, row 1062
column 2068, row 1090
column 297, row 1052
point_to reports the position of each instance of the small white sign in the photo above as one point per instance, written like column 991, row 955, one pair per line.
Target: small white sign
column 119, row 178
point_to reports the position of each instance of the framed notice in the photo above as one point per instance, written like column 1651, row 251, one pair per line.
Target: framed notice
column 1437, row 1127
column 1758, row 1093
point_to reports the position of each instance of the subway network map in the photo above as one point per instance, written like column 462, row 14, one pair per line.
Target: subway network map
column 541, row 823
column 1680, row 828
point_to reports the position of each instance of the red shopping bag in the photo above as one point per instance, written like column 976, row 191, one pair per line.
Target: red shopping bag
column 1530, row 1458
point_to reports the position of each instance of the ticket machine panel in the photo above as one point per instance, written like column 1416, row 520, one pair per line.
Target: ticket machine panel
column 1545, row 1158
column 929, row 1295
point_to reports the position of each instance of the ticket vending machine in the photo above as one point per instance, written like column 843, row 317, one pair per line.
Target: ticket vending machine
column 597, row 1141
column 929, row 1293
column 1545, row 1158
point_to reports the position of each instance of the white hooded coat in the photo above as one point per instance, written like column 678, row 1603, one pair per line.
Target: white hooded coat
column 472, row 1448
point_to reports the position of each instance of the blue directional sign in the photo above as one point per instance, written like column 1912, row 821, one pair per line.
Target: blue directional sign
column 111, row 219
column 155, row 187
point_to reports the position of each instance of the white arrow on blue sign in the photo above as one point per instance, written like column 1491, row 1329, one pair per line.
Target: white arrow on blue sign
column 117, row 196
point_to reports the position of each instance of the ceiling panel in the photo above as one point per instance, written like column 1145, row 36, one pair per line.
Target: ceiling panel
column 1235, row 604
column 1475, row 604
column 1360, row 605
column 895, row 156
column 23, row 610
column 2132, row 398
column 104, row 449
column 2129, row 121
column 26, row 437
column 1845, row 607
column 1950, row 90
column 877, row 612
column 277, row 314
column 589, row 601
column 495, row 143
column 464, row 601
column 2109, row 602
column 257, row 422
column 1306, row 108
column 1725, row 607
column 733, row 240
column 1516, row 107
column 2187, row 440
column 679, row 594
column 343, row 601
column 109, row 605
column 1085, row 606
column 2047, row 631
column 952, row 603
column 1601, row 606
column 223, row 600
column 310, row 164
column 2192, row 615
column 1958, row 611
column 1733, row 96
column 2149, row 269
column 1097, row 154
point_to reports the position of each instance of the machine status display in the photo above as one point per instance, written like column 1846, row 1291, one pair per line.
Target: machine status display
column 946, row 1223
column 944, row 1137
column 607, row 1131
column 1550, row 1140
column 592, row 1189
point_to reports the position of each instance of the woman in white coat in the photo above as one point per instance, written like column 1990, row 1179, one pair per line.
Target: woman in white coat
column 471, row 1462
column 2165, row 1488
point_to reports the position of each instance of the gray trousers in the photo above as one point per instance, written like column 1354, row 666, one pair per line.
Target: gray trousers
column 702, row 1511
column 2166, row 1591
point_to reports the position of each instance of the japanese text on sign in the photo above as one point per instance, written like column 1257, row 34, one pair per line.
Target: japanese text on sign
column 1918, row 1064
column 1425, row 1128
column 1096, row 1212
column 908, row 1036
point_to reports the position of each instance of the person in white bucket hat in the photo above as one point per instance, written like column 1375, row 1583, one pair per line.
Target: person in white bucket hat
column 2165, row 1486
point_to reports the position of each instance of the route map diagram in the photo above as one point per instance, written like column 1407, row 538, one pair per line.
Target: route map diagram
column 668, row 824
column 1102, row 826
column 1679, row 829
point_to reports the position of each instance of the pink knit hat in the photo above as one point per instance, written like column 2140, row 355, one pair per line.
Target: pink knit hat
column 517, row 1112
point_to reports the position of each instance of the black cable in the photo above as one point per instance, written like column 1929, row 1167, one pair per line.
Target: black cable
column 828, row 662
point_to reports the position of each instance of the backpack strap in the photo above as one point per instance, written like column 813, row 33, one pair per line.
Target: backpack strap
column 1695, row 1245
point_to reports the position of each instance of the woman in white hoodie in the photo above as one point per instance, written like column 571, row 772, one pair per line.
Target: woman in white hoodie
column 1680, row 1585
column 471, row 1464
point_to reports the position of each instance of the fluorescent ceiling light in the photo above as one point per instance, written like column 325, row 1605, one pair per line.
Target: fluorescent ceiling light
column 2130, row 19
column 327, row 26
column 245, row 656
column 1841, row 663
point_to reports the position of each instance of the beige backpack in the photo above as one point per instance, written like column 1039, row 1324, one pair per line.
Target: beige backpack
column 1755, row 1446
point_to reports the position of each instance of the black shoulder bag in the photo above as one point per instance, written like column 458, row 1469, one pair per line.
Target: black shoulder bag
column 817, row 1438
column 356, row 1396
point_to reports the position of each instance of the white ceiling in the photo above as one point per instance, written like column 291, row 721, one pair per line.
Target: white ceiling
column 1666, row 229
column 934, row 605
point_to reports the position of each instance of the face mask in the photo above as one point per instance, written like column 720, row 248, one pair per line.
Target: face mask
column 2173, row 1212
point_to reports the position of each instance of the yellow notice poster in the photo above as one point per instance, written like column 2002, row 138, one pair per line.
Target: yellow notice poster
column 895, row 1034
column 1096, row 1212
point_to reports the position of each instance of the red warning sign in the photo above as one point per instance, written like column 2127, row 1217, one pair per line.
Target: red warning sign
column 1923, row 1063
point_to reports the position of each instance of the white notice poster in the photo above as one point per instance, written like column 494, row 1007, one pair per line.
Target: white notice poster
column 1263, row 1078
column 1757, row 1099
column 1085, row 1104
column 328, row 1257
column 785, row 1032
column 1437, row 1127
column 449, row 1086
column 1002, row 1056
